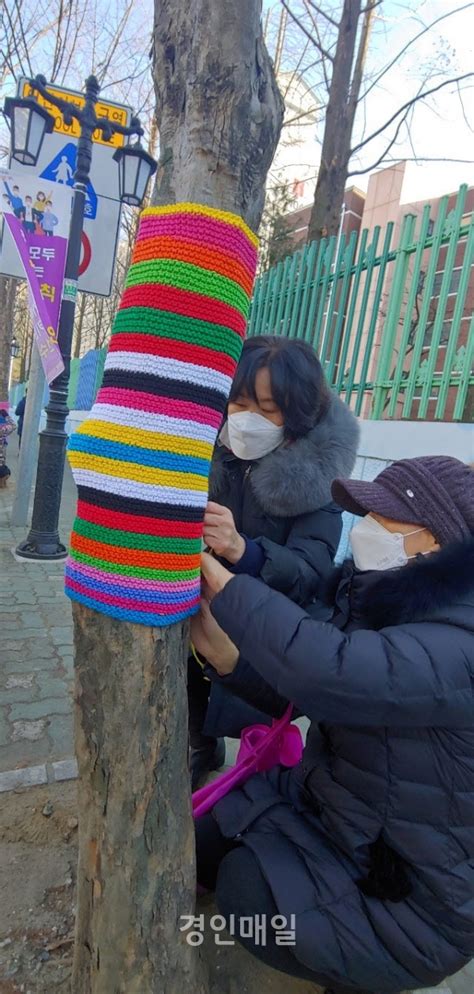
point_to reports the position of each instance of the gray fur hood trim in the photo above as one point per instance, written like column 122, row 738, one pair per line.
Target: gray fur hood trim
column 296, row 478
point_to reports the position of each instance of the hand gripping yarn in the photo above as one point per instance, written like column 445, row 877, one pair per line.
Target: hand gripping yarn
column 141, row 459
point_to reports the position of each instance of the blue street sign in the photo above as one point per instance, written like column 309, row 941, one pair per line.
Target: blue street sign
column 61, row 170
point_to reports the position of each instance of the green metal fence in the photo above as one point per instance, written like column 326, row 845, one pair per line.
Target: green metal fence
column 391, row 318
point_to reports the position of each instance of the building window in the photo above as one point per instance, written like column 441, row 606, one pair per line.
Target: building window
column 453, row 286
column 445, row 334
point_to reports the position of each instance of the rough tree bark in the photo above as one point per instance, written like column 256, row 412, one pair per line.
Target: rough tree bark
column 339, row 122
column 7, row 310
column 219, row 114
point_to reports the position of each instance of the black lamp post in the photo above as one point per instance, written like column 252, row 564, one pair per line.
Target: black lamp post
column 28, row 127
column 15, row 349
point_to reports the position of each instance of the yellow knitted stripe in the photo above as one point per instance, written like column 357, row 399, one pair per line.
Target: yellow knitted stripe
column 184, row 207
column 148, row 439
column 137, row 472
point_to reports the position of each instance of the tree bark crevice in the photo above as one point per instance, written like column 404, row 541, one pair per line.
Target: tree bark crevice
column 219, row 114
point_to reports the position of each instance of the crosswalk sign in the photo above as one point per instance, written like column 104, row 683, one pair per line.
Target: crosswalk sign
column 61, row 170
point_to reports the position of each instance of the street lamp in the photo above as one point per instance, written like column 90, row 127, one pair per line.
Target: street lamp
column 29, row 124
column 15, row 352
column 135, row 167
column 43, row 539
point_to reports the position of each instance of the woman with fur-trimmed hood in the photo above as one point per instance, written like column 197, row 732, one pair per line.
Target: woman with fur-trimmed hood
column 271, row 514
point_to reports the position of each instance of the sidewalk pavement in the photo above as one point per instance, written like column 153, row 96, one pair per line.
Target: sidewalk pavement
column 36, row 655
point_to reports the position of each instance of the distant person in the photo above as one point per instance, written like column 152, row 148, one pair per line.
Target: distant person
column 28, row 218
column 49, row 219
column 15, row 200
column 64, row 171
column 39, row 206
column 7, row 425
column 20, row 414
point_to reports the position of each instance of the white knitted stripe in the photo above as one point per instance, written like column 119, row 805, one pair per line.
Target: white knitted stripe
column 153, row 422
column 170, row 369
column 141, row 491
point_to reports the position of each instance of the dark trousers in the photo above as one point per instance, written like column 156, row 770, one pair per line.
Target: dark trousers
column 233, row 872
column 198, row 699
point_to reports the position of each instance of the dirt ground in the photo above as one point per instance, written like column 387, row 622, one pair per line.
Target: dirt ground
column 38, row 851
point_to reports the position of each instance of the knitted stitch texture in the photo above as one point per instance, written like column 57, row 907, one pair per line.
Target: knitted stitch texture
column 141, row 459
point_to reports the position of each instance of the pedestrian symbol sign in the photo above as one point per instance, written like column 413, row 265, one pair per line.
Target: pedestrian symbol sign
column 61, row 170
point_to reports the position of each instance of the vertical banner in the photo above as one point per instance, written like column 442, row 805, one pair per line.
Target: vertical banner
column 37, row 222
column 44, row 270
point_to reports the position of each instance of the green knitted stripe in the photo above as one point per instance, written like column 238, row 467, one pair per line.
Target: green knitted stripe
column 132, row 540
column 140, row 571
column 165, row 324
column 185, row 276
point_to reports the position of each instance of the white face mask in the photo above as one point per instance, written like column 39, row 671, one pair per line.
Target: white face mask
column 250, row 435
column 374, row 547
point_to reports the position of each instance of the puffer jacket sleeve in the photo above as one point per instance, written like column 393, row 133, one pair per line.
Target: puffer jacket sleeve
column 418, row 674
column 247, row 684
column 300, row 568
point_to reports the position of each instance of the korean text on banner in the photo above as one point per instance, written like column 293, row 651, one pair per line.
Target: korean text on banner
column 44, row 262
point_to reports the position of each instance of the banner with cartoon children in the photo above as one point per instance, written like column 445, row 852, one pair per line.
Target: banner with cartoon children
column 33, row 244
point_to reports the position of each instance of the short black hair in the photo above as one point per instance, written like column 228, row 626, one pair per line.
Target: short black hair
column 298, row 383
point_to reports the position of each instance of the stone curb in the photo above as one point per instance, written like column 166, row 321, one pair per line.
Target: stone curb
column 34, row 776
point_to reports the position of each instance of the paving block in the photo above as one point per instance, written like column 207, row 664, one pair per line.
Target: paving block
column 25, row 752
column 23, row 635
column 462, row 982
column 25, row 663
column 62, row 636
column 18, row 695
column 28, row 777
column 40, row 709
column 5, row 727
column 30, row 619
column 53, row 684
column 25, row 681
column 61, row 735
column 29, row 730
column 65, row 769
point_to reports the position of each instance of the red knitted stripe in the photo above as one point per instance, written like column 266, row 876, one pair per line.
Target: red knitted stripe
column 184, row 302
column 170, row 348
column 139, row 523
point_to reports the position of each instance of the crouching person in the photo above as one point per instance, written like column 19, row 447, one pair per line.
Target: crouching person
column 285, row 439
column 369, row 842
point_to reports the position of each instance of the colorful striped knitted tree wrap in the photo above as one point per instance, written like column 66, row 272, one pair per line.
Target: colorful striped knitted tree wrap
column 141, row 459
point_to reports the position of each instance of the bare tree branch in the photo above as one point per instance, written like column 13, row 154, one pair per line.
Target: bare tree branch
column 409, row 44
column 323, row 50
column 323, row 13
column 410, row 103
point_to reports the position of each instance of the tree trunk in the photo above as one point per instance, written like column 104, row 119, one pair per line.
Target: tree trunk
column 339, row 122
column 7, row 310
column 219, row 115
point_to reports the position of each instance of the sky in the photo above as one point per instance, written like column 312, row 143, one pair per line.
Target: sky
column 441, row 128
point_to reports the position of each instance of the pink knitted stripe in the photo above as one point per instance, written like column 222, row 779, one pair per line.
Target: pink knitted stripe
column 130, row 605
column 161, row 586
column 208, row 230
column 140, row 401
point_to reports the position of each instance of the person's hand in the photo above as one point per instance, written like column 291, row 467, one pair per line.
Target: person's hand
column 214, row 575
column 220, row 533
column 212, row 642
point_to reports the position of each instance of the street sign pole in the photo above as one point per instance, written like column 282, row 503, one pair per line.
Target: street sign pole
column 43, row 540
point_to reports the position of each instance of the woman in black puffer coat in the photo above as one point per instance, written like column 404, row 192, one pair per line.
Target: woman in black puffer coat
column 369, row 842
column 271, row 515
